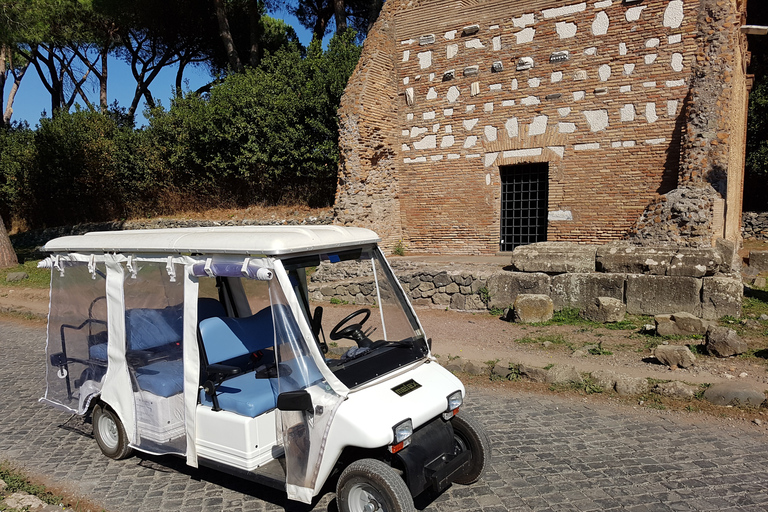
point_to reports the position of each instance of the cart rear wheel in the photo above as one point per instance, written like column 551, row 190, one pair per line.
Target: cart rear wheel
column 369, row 485
column 469, row 435
column 110, row 434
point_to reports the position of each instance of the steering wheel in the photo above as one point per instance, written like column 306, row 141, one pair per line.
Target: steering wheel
column 353, row 332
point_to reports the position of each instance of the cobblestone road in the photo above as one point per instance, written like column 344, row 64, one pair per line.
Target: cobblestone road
column 548, row 454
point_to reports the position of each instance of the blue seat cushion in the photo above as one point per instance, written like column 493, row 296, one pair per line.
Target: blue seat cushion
column 98, row 351
column 163, row 378
column 150, row 328
column 245, row 395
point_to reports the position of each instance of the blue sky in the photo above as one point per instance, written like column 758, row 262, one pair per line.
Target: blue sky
column 32, row 98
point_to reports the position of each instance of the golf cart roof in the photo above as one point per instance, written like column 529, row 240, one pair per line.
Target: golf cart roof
column 249, row 240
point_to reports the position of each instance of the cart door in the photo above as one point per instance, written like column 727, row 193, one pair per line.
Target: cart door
column 304, row 431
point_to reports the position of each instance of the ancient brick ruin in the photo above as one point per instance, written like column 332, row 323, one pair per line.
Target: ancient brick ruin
column 633, row 111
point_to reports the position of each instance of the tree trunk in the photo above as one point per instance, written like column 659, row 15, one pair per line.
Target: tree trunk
column 226, row 36
column 341, row 16
column 321, row 25
column 17, row 76
column 103, row 101
column 254, row 15
column 7, row 254
column 2, row 82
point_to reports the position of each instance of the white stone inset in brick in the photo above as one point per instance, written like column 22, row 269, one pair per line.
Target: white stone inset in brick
column 518, row 153
column 622, row 48
column 453, row 94
column 473, row 43
column 534, row 82
column 605, row 72
column 524, row 20
column 496, row 41
column 494, row 87
column 557, row 76
column 558, row 150
column 654, row 142
column 675, row 83
column 405, row 133
column 538, row 126
column 530, row 101
column 628, row 69
column 453, row 156
column 428, row 115
column 450, row 35
column 563, row 11
column 405, row 147
column 490, row 133
column 580, row 75
column 431, row 94
column 597, row 119
column 565, row 29
column 650, row 112
column 436, row 127
column 425, row 59
column 451, row 50
column 603, row 4
column 469, row 123
column 586, row 147
column 628, row 144
column 652, row 42
column 649, row 84
column 650, row 58
column 408, row 41
column 488, row 107
column 511, row 127
column 469, row 108
column 436, row 158
column 514, row 84
column 406, row 55
column 447, row 141
column 578, row 95
column 566, row 127
column 675, row 38
column 447, row 112
column 592, row 50
column 673, row 14
column 508, row 103
column 448, row 128
column 489, row 159
column 600, row 25
column 431, row 77
column 416, row 160
column 525, row 35
column 409, row 116
column 406, row 80
column 633, row 13
column 564, row 111
column 488, row 176
column 560, row 215
column 627, row 112
column 616, row 144
column 677, row 62
column 672, row 108
column 474, row 88
column 471, row 141
column 625, row 88
column 409, row 96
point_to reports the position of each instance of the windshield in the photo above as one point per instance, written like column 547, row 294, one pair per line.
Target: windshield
column 358, row 311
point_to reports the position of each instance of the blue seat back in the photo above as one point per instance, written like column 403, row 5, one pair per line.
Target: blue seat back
column 228, row 338
column 151, row 328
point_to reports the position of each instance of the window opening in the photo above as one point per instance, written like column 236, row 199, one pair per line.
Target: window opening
column 524, row 204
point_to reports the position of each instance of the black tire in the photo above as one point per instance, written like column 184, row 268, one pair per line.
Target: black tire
column 369, row 481
column 110, row 434
column 469, row 435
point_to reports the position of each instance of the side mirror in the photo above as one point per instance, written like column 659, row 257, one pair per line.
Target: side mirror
column 295, row 401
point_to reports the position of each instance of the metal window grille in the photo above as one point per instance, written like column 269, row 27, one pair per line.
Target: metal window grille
column 524, row 204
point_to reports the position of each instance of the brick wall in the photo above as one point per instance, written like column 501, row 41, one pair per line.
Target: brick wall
column 442, row 93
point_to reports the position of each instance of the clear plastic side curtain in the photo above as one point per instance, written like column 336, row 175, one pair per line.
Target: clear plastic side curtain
column 300, row 367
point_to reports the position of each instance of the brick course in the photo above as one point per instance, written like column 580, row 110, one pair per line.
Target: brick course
column 437, row 104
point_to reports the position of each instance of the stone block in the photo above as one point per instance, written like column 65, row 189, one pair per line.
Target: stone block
column 580, row 290
column 605, row 310
column 554, row 257
column 442, row 279
column 455, row 365
column 724, row 342
column 734, row 393
column 504, row 287
column 758, row 260
column 533, row 308
column 674, row 356
column 501, row 370
column 695, row 262
column 623, row 257
column 729, row 255
column 628, row 386
column 606, row 379
column 680, row 324
column 656, row 295
column 532, row 373
column 721, row 296
column 563, row 374
column 16, row 276
column 475, row 368
column 675, row 389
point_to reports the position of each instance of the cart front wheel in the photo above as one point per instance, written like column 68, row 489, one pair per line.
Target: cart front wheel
column 369, row 485
column 110, row 434
column 469, row 435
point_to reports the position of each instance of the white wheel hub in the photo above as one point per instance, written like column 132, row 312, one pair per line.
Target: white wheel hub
column 364, row 498
column 108, row 431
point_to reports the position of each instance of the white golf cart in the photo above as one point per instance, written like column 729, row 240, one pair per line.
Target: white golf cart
column 203, row 343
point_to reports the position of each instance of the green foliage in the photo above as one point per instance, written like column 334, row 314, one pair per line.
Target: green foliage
column 17, row 482
column 399, row 248
column 38, row 277
column 337, row 301
column 599, row 351
column 485, row 295
column 570, row 316
column 496, row 311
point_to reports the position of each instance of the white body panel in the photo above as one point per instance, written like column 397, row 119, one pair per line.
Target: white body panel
column 237, row 441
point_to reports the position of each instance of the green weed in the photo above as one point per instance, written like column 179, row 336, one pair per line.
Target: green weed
column 399, row 248
column 38, row 277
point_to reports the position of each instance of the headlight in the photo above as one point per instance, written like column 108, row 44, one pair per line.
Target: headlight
column 454, row 402
column 402, row 433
